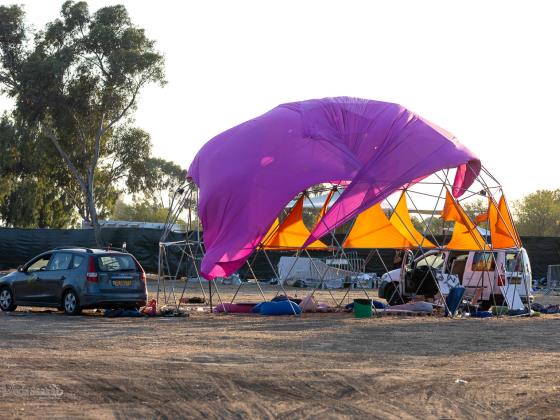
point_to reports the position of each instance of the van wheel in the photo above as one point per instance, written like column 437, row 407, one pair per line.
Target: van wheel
column 7, row 300
column 71, row 303
column 392, row 295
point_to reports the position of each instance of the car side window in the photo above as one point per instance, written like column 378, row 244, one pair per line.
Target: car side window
column 77, row 261
column 60, row 261
column 38, row 264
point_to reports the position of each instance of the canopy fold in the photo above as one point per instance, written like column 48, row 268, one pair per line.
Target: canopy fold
column 401, row 220
column 502, row 230
column 466, row 236
column 324, row 208
column 291, row 233
column 372, row 229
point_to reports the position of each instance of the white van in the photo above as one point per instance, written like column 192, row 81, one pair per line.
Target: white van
column 483, row 273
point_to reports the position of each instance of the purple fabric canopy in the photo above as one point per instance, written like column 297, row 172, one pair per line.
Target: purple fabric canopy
column 248, row 174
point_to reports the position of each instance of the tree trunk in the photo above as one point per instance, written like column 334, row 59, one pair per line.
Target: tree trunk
column 93, row 217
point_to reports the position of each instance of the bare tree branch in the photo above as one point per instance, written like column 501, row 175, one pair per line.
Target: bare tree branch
column 127, row 107
column 50, row 134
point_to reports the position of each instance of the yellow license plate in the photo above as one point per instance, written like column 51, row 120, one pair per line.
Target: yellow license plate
column 515, row 280
column 122, row 283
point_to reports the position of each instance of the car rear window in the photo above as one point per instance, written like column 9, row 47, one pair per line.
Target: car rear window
column 116, row 263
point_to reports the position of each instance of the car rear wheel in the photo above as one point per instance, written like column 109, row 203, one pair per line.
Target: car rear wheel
column 71, row 303
column 7, row 300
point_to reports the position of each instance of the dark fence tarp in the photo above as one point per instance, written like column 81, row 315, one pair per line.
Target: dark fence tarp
column 19, row 245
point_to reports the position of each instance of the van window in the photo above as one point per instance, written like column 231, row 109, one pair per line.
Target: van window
column 514, row 262
column 483, row 261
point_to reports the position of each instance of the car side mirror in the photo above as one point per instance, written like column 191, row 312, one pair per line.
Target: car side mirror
column 20, row 268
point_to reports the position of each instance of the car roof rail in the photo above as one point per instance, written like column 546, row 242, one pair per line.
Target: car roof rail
column 88, row 250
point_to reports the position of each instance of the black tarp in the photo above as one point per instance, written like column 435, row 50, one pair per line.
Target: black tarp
column 19, row 245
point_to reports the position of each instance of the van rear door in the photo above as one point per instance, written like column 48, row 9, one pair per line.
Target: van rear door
column 518, row 271
column 480, row 274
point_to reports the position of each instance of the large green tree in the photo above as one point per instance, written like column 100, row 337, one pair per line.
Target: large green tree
column 538, row 214
column 33, row 191
column 78, row 82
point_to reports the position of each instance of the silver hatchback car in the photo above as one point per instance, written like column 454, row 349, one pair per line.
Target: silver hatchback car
column 73, row 279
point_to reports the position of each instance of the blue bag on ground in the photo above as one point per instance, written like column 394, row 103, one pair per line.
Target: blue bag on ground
column 283, row 307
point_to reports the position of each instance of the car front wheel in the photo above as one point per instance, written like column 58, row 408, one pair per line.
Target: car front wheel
column 7, row 300
column 71, row 303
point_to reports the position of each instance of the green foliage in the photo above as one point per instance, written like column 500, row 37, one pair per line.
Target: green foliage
column 33, row 192
column 157, row 178
column 76, row 83
column 429, row 225
column 475, row 208
column 538, row 214
column 142, row 211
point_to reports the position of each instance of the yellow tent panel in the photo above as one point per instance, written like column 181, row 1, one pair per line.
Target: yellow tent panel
column 466, row 236
column 400, row 219
column 372, row 229
column 502, row 229
column 292, row 233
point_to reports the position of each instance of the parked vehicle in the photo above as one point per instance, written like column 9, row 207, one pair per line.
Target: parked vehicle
column 73, row 279
column 481, row 272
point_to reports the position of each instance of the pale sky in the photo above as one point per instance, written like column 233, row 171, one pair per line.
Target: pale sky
column 486, row 71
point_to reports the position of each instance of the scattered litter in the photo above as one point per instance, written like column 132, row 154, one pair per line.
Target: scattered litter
column 234, row 308
column 426, row 307
column 118, row 313
column 550, row 309
column 194, row 299
column 461, row 381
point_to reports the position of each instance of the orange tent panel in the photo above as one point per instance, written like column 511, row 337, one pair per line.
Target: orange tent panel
column 502, row 229
column 372, row 229
column 400, row 219
column 292, row 233
column 324, row 208
column 466, row 236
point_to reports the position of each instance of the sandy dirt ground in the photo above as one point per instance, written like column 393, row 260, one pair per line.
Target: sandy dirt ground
column 249, row 366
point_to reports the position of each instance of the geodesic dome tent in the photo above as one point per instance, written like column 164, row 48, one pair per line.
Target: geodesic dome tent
column 248, row 174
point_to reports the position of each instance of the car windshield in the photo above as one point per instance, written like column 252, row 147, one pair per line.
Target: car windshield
column 434, row 261
column 116, row 263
